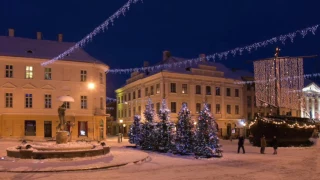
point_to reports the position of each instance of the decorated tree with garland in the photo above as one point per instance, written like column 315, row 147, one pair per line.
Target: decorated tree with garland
column 185, row 132
column 206, row 140
column 135, row 131
column 149, row 128
column 164, row 129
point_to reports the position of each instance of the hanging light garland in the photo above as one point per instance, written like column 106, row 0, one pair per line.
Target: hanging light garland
column 281, row 122
column 225, row 54
column 101, row 28
column 305, row 76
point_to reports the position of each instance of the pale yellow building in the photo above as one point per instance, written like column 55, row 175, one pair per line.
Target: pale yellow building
column 193, row 84
column 29, row 91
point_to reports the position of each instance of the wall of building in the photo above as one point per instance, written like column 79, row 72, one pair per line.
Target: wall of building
column 65, row 81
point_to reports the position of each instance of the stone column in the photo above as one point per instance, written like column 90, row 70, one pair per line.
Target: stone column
column 312, row 108
column 307, row 105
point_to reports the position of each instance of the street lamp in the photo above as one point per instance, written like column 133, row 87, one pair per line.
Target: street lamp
column 91, row 85
column 120, row 121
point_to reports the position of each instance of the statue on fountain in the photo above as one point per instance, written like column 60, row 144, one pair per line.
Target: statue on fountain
column 61, row 112
column 62, row 134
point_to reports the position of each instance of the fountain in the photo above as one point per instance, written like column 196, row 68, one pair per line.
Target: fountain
column 59, row 149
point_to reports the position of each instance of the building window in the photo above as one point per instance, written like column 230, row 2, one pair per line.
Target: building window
column 28, row 101
column 146, row 91
column 84, row 102
column 129, row 97
column 218, row 109
column 101, row 78
column 158, row 107
column 228, row 109
column 30, row 128
column 125, row 98
column 9, row 71
column 139, row 93
column 173, row 88
column 118, row 100
column 249, row 101
column 208, row 90
column 198, row 108
column 67, row 105
column 134, row 95
column 184, row 89
column 158, row 88
column 47, row 101
column 237, row 110
column 101, row 103
column 129, row 112
column 173, row 107
column 47, row 73
column 218, row 91
column 134, row 110
column 228, row 92
column 121, row 99
column 139, row 109
column 209, row 107
column 248, row 87
column 122, row 112
column 83, row 128
column 151, row 90
column 119, row 114
column 29, row 72
column 249, row 116
column 198, row 89
column 83, row 75
column 9, row 100
column 236, row 93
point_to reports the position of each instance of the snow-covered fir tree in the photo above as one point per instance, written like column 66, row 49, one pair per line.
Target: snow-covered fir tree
column 149, row 129
column 164, row 129
column 135, row 131
column 206, row 140
column 184, row 131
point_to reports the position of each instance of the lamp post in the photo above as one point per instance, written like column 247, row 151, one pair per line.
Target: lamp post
column 124, row 126
column 91, row 86
column 120, row 121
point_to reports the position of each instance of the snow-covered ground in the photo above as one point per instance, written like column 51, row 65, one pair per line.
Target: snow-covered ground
column 290, row 163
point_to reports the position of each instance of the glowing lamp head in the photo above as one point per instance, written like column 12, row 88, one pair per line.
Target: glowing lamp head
column 121, row 121
column 91, row 85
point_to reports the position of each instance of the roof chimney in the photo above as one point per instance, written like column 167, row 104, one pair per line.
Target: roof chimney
column 202, row 57
column 145, row 64
column 60, row 37
column 39, row 35
column 166, row 55
column 11, row 32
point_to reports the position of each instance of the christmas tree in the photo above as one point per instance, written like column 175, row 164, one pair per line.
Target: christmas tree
column 149, row 130
column 206, row 139
column 184, row 132
column 164, row 129
column 135, row 131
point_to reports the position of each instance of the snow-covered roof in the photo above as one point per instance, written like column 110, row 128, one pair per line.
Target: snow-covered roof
column 43, row 49
column 228, row 73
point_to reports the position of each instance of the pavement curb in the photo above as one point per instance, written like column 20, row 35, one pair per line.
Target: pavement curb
column 79, row 169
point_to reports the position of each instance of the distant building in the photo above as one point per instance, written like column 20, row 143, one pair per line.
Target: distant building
column 194, row 84
column 29, row 91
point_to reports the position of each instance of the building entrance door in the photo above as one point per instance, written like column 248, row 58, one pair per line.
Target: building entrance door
column 47, row 129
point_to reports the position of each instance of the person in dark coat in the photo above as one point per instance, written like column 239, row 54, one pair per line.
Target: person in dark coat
column 240, row 144
column 275, row 145
column 263, row 144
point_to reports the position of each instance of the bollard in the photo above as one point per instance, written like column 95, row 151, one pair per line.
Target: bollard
column 121, row 137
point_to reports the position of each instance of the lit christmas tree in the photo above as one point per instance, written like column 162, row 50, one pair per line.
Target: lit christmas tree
column 206, row 140
column 135, row 131
column 164, row 129
column 184, row 132
column 149, row 130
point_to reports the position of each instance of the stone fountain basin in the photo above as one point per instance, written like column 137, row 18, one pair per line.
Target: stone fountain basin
column 52, row 150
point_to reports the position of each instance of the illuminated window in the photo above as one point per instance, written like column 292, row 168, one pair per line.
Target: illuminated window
column 184, row 89
column 158, row 88
column 29, row 72
column 47, row 73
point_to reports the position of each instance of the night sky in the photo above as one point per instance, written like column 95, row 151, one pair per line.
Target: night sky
column 187, row 28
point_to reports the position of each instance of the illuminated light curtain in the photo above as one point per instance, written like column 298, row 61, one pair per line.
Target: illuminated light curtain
column 287, row 73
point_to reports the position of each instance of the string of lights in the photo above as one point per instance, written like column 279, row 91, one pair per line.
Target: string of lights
column 305, row 76
column 101, row 28
column 239, row 50
column 281, row 122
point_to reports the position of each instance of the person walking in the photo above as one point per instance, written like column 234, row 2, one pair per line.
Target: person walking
column 241, row 145
column 275, row 145
column 263, row 144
